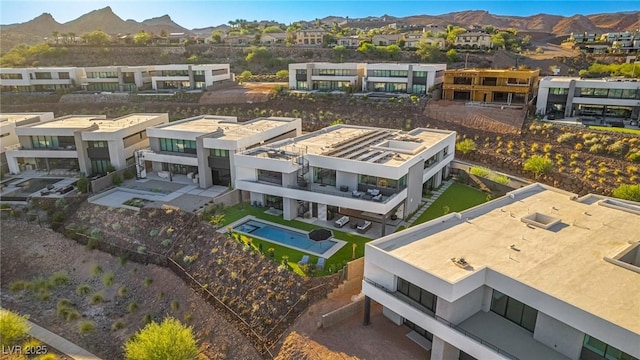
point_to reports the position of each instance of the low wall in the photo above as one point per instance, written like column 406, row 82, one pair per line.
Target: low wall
column 106, row 181
column 336, row 316
column 355, row 269
column 232, row 198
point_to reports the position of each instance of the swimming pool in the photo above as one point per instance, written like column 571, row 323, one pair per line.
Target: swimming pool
column 290, row 238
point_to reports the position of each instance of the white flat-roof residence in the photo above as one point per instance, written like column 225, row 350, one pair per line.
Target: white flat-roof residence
column 325, row 76
column 39, row 79
column 382, row 77
column 572, row 96
column 204, row 147
column 89, row 144
column 114, row 78
column 402, row 78
column 186, row 76
column 8, row 136
column 537, row 274
column 367, row 172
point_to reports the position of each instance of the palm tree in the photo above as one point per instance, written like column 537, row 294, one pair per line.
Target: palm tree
column 55, row 36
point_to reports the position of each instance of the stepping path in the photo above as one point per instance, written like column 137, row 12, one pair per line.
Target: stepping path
column 426, row 202
column 58, row 342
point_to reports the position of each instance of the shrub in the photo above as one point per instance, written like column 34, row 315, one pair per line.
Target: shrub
column 627, row 192
column 132, row 306
column 635, row 157
column 466, row 146
column 116, row 180
column 127, row 175
column 538, row 165
column 86, row 327
column 83, row 184
column 96, row 298
column 189, row 259
column 175, row 305
column 596, row 149
column 566, row 137
column 117, row 325
column 618, row 148
column 122, row 291
column 500, row 179
column 480, row 171
column 107, row 279
column 96, row 270
column 148, row 281
column 59, row 278
column 578, row 146
column 13, row 327
column 170, row 338
column 83, row 290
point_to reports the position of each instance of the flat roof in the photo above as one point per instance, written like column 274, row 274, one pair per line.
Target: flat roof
column 367, row 144
column 566, row 261
column 225, row 128
column 566, row 79
column 12, row 118
column 104, row 125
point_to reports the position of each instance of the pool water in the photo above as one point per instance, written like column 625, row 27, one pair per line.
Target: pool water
column 286, row 237
column 30, row 186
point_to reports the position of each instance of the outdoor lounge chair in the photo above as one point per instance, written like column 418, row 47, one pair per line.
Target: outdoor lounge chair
column 342, row 221
column 320, row 264
column 364, row 227
column 304, row 261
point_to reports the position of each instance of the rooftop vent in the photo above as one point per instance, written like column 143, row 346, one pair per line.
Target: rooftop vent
column 540, row 220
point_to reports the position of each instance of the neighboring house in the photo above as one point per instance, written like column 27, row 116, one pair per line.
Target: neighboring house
column 310, row 36
column 411, row 41
column 473, row 40
column 241, row 40
column 348, row 41
column 8, row 137
column 326, row 76
column 343, row 170
column 537, row 274
column 204, row 147
column 89, row 144
column 178, row 38
column 385, row 40
column 273, row 38
column 402, row 78
column 39, row 79
column 190, row 77
column 116, row 78
column 510, row 87
column 573, row 96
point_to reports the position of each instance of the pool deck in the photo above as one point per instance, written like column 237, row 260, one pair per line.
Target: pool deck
column 327, row 254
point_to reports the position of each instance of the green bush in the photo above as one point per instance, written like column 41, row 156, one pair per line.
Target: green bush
column 83, row 184
column 480, row 171
column 86, row 327
column 627, row 192
column 13, row 328
column 127, row 175
column 538, row 165
column 170, row 338
column 116, row 180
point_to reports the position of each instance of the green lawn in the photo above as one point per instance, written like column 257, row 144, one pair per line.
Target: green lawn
column 615, row 129
column 457, row 197
column 335, row 262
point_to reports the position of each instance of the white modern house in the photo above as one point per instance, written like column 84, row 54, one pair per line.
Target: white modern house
column 204, row 147
column 572, row 96
column 187, row 76
column 89, row 144
column 8, row 136
column 114, row 78
column 39, row 79
column 371, row 173
column 325, row 76
column 402, row 78
column 537, row 274
column 382, row 77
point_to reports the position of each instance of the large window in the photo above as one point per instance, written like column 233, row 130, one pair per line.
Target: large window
column 334, row 72
column 302, row 85
column 45, row 142
column 324, row 176
column 558, row 91
column 63, row 75
column 43, row 75
column 11, row 76
column 514, row 310
column 422, row 332
column 604, row 350
column 458, row 80
column 219, row 153
column 98, row 144
column 417, row 294
column 178, row 145
column 272, row 177
column 390, row 73
column 389, row 87
column 102, row 74
column 101, row 166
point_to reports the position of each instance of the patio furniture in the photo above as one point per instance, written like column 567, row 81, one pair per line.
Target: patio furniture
column 377, row 198
column 190, row 175
column 364, row 227
column 304, row 261
column 344, row 188
column 195, row 179
column 163, row 174
column 356, row 194
column 373, row 192
column 320, row 264
column 342, row 221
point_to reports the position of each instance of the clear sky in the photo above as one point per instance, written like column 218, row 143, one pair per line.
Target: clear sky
column 203, row 13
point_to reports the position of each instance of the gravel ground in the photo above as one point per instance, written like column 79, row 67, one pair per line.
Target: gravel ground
column 28, row 252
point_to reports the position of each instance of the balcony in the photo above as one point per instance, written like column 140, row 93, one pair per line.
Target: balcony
column 59, row 148
column 500, row 338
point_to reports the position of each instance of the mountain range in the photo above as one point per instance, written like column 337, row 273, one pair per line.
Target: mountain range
column 33, row 31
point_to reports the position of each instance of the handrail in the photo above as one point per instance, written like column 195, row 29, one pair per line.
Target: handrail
column 446, row 322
